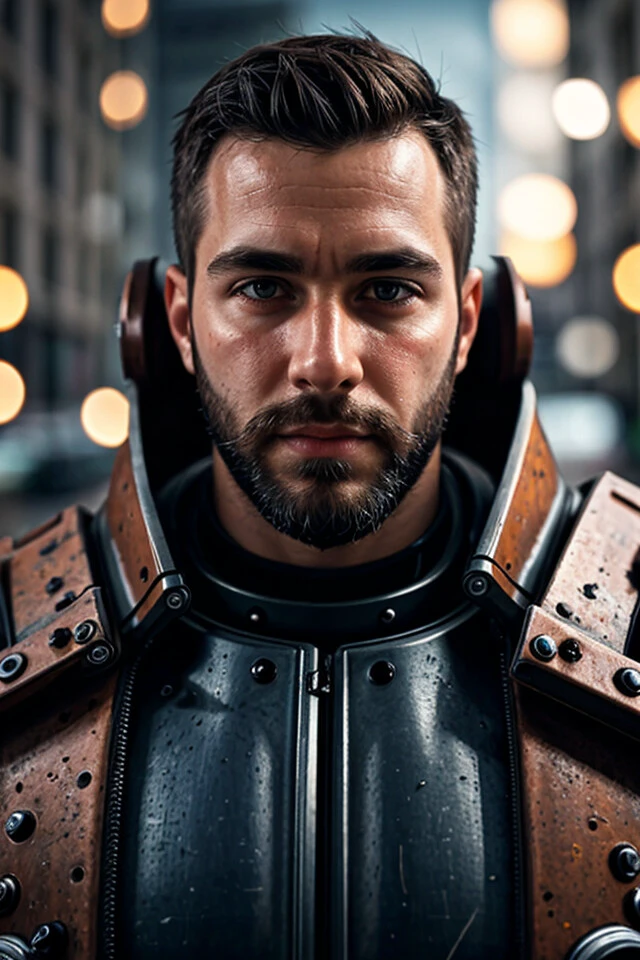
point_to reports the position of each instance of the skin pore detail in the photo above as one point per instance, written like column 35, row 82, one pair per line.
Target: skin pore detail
column 325, row 330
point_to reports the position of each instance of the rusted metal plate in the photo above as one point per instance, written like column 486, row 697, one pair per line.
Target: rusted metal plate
column 44, row 662
column 581, row 797
column 53, row 763
column 595, row 582
column 588, row 683
column 47, row 572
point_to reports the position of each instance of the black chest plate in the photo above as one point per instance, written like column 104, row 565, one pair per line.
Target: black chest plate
column 273, row 811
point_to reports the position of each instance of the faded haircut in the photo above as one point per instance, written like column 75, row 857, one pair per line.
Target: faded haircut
column 322, row 92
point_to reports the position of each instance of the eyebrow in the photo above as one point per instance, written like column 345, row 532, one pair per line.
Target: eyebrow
column 254, row 258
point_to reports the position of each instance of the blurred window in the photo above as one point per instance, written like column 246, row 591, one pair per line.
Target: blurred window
column 9, row 119
column 85, row 93
column 50, row 259
column 49, row 37
column 9, row 226
column 48, row 154
column 84, row 269
column 9, row 16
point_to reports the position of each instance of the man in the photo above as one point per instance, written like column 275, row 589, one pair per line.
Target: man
column 318, row 757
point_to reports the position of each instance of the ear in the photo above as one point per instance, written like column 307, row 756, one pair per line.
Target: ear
column 176, row 301
column 470, row 303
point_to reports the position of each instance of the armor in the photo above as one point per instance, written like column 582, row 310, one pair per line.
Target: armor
column 432, row 755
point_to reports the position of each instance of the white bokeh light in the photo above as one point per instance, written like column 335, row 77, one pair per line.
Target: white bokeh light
column 531, row 33
column 588, row 346
column 537, row 206
column 581, row 109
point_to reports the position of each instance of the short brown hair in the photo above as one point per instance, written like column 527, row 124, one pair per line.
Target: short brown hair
column 322, row 92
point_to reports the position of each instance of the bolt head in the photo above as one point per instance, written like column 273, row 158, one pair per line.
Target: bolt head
column 83, row 632
column 12, row 667
column 388, row 615
column 627, row 681
column 99, row 655
column 477, row 586
column 20, row 825
column 174, row 600
column 632, row 907
column 381, row 673
column 264, row 671
column 9, row 894
column 624, row 862
column 570, row 650
column 60, row 637
column 543, row 647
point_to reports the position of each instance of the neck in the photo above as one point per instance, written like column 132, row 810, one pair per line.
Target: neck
column 248, row 528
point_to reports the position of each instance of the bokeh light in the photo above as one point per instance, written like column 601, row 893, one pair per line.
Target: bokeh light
column 581, row 108
column 541, row 263
column 123, row 18
column 628, row 104
column 531, row 33
column 14, row 298
column 105, row 417
column 588, row 346
column 524, row 111
column 626, row 278
column 123, row 99
column 538, row 207
column 12, row 392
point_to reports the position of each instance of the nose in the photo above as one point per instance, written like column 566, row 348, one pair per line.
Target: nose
column 325, row 350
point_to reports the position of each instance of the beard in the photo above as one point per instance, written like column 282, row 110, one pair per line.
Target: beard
column 325, row 514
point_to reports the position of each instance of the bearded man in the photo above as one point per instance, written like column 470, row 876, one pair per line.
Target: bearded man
column 275, row 721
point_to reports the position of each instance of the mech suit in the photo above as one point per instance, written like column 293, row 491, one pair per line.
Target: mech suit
column 206, row 754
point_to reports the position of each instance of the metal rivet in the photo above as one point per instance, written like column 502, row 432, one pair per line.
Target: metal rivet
column 83, row 779
column 256, row 615
column 167, row 690
column 264, row 671
column 388, row 615
column 20, row 825
column 627, row 681
column 624, row 862
column 84, row 631
column 50, row 939
column 60, row 637
column 632, row 907
column 99, row 655
column 55, row 584
column 177, row 599
column 12, row 667
column 477, row 586
column 543, row 647
column 381, row 672
column 9, row 894
column 570, row 650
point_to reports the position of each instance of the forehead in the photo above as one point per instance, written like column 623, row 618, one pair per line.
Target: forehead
column 386, row 191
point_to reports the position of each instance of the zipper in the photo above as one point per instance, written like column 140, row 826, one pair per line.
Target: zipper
column 113, row 814
column 323, row 920
column 516, row 815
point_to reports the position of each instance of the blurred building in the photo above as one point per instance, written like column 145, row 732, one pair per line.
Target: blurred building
column 58, row 163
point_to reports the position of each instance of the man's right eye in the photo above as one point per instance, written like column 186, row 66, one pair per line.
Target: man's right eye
column 260, row 289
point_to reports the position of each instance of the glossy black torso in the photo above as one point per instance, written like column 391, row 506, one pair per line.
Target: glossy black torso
column 320, row 780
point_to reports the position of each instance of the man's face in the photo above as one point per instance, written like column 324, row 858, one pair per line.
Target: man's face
column 324, row 328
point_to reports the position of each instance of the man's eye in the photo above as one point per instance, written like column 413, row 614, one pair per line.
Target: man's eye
column 260, row 289
column 390, row 291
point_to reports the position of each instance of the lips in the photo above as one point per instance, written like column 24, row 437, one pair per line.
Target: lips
column 321, row 432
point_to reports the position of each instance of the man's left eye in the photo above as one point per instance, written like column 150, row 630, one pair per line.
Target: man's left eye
column 260, row 289
column 390, row 291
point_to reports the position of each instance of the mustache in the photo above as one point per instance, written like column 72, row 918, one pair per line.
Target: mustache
column 313, row 409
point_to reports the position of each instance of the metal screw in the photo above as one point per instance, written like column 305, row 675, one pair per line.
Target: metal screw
column 570, row 650
column 382, row 672
column 543, row 647
column 49, row 939
column 20, row 825
column 55, row 584
column 624, row 862
column 626, row 680
column 83, row 632
column 388, row 615
column 264, row 671
column 176, row 600
column 632, row 907
column 477, row 586
column 99, row 654
column 12, row 667
column 60, row 637
column 9, row 894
